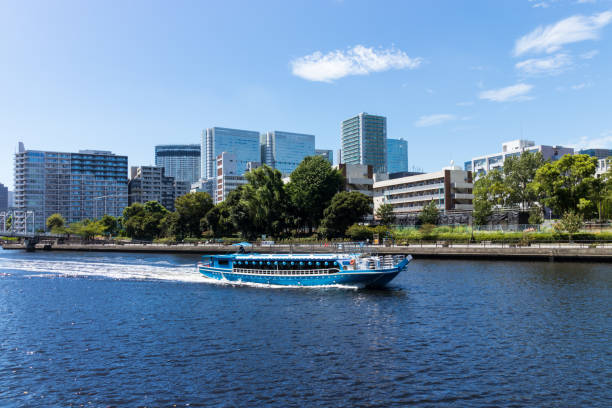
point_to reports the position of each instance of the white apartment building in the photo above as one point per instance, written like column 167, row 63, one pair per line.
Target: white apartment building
column 483, row 164
column 228, row 176
column 603, row 166
column 450, row 188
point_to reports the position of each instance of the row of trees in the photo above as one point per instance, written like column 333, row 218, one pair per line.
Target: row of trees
column 311, row 201
column 566, row 186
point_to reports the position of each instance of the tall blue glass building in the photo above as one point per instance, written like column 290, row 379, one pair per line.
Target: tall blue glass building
column 397, row 155
column 216, row 140
column 87, row 184
column 327, row 154
column 364, row 141
column 284, row 151
column 182, row 162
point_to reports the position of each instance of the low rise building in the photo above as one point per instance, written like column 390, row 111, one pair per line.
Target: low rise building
column 204, row 186
column 603, row 166
column 450, row 188
column 358, row 177
column 599, row 153
column 483, row 164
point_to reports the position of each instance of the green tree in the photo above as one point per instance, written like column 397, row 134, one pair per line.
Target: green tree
column 144, row 221
column 385, row 214
column 571, row 222
column 535, row 216
column 262, row 205
column 86, row 229
column 490, row 191
column 311, row 188
column 55, row 223
column 519, row 172
column 191, row 209
column 345, row 209
column 564, row 182
column 218, row 220
column 430, row 213
column 110, row 224
column 483, row 209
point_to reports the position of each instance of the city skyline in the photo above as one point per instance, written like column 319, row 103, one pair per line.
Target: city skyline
column 489, row 72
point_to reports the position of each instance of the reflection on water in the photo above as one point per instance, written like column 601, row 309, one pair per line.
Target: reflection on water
column 148, row 330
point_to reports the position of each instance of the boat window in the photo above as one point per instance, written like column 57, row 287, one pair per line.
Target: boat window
column 223, row 261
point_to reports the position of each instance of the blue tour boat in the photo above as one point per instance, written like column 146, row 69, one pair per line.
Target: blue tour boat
column 305, row 270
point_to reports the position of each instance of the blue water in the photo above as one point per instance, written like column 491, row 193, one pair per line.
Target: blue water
column 145, row 330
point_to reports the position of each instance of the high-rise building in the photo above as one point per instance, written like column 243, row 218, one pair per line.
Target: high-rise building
column 483, row 164
column 228, row 176
column 284, row 151
column 87, row 184
column 4, row 199
column 328, row 154
column 364, row 141
column 149, row 183
column 179, row 161
column 243, row 143
column 397, row 155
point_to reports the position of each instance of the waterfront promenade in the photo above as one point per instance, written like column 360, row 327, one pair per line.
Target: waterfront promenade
column 550, row 251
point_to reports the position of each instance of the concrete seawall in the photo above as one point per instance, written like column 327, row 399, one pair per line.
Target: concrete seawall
column 540, row 252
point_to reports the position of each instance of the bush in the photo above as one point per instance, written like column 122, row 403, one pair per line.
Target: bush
column 358, row 232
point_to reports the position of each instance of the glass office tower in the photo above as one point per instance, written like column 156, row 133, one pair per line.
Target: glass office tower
column 182, row 162
column 364, row 140
column 4, row 200
column 243, row 143
column 327, row 154
column 87, row 184
column 397, row 155
column 284, row 151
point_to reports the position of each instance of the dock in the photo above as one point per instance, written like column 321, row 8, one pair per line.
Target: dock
column 553, row 251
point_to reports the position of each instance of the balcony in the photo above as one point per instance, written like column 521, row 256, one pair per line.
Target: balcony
column 425, row 187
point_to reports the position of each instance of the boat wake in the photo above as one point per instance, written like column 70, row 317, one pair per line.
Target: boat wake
column 159, row 271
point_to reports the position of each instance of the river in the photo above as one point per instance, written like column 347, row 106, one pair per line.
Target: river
column 108, row 329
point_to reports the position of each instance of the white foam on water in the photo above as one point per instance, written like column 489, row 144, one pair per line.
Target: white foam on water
column 163, row 270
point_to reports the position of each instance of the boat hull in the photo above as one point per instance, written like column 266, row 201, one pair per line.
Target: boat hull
column 369, row 279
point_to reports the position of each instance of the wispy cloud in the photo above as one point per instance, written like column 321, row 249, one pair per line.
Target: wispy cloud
column 589, row 55
column 514, row 93
column 553, row 37
column 603, row 141
column 545, row 66
column 465, row 103
column 432, row 120
column 358, row 60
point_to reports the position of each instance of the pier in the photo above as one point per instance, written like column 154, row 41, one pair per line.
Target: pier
column 549, row 251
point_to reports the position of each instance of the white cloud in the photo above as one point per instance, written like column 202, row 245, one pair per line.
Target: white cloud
column 358, row 60
column 604, row 141
column 589, row 55
column 514, row 93
column 432, row 120
column 570, row 30
column 546, row 65
column 580, row 86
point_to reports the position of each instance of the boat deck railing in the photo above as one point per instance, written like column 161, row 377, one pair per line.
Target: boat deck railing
column 326, row 271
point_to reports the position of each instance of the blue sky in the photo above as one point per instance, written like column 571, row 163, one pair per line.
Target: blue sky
column 456, row 79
